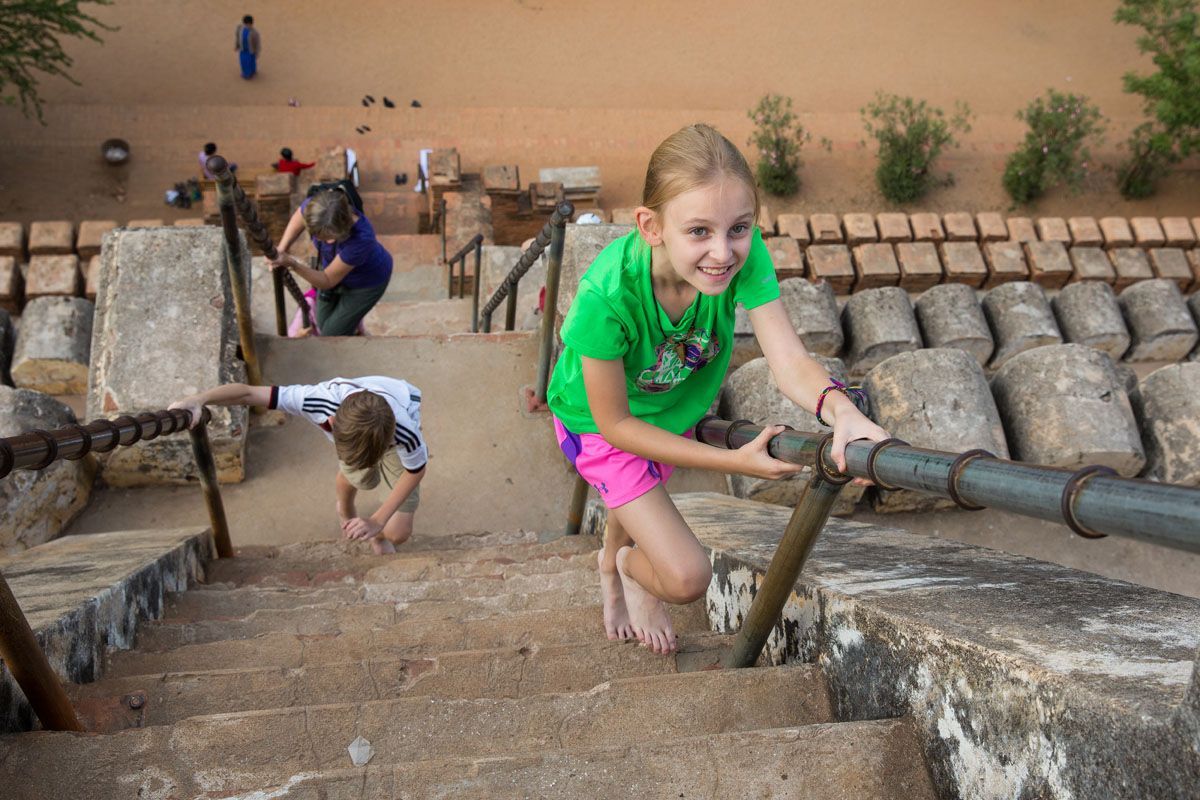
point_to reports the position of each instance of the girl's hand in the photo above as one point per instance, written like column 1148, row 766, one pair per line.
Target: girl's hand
column 752, row 458
column 191, row 405
column 281, row 261
column 852, row 425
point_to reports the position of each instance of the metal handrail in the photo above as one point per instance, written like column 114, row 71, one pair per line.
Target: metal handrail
column 460, row 258
column 557, row 222
column 38, row 449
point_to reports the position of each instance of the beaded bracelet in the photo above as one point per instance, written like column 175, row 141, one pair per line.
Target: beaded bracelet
column 854, row 393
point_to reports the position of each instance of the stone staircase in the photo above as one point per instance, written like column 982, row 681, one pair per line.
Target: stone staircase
column 474, row 665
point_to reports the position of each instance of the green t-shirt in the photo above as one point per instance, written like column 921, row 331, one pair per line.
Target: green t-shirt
column 614, row 315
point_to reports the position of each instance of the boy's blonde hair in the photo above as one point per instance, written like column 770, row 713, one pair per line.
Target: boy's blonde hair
column 690, row 158
column 364, row 429
column 328, row 216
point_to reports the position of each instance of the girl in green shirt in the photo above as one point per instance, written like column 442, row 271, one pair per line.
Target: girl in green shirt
column 647, row 343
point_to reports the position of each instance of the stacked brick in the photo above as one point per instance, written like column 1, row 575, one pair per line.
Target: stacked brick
column 445, row 175
column 273, row 195
column 580, row 185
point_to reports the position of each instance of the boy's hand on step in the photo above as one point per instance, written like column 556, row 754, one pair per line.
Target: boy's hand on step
column 191, row 406
column 360, row 528
column 752, row 458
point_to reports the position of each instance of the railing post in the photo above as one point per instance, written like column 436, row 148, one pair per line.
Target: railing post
column 442, row 219
column 237, row 275
column 486, row 319
column 510, row 307
column 478, row 281
column 202, row 452
column 25, row 660
column 550, row 313
column 281, row 325
column 462, row 277
column 579, row 494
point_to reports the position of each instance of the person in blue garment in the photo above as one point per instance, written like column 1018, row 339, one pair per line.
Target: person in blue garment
column 248, row 44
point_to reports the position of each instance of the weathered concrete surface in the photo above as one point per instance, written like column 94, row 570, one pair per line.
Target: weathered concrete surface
column 936, row 398
column 813, row 311
column 83, row 594
column 35, row 505
column 434, row 318
column 54, row 345
column 949, row 315
column 1065, row 406
column 1194, row 306
column 580, row 247
column 417, row 271
column 1167, row 405
column 879, row 323
column 1161, row 327
column 1021, row 319
column 1088, row 313
column 1026, row 679
column 172, row 282
column 751, row 393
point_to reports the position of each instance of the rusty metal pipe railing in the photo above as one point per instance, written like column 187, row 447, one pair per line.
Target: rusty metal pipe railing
column 550, row 314
column 235, row 265
column 460, row 258
column 1093, row 502
column 559, row 219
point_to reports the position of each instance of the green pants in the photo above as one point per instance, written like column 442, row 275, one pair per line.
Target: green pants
column 339, row 310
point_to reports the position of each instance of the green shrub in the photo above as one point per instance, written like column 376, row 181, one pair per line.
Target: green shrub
column 1171, row 95
column 778, row 136
column 911, row 135
column 1055, row 149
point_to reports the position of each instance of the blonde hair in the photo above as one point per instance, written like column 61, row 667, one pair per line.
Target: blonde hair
column 364, row 430
column 692, row 157
column 328, row 216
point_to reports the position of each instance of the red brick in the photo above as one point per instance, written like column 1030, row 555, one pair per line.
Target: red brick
column 926, row 227
column 144, row 223
column 1085, row 232
column 991, row 227
column 12, row 240
column 91, row 235
column 53, row 275
column 960, row 227
column 765, row 220
column 51, row 238
column 831, row 263
column 12, row 285
column 795, row 226
column 189, row 222
column 1178, row 232
column 893, row 227
column 1130, row 264
column 786, row 256
column 1005, row 262
column 860, row 229
column 1053, row 229
column 1020, row 229
column 920, row 266
column 1091, row 264
column 624, row 216
column 1147, row 232
column 875, row 265
column 826, row 228
column 1171, row 263
column 501, row 178
column 91, row 284
column 1048, row 263
column 963, row 263
column 1117, row 232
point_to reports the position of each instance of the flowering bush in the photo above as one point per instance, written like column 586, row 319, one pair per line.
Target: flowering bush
column 1055, row 149
column 911, row 135
column 778, row 136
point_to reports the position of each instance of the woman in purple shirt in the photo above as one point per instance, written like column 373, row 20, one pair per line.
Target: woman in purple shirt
column 354, row 267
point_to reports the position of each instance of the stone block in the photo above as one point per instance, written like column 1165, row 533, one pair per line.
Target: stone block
column 581, row 245
column 331, row 165
column 860, row 229
column 1193, row 304
column 875, row 265
column 1020, row 318
column 1091, row 264
column 624, row 216
column 949, row 316
column 826, row 228
column 752, row 393
column 766, row 221
column 133, row 224
column 1005, row 263
column 8, row 337
column 1147, row 232
column 37, row 504
column 1085, row 232
column 1193, row 257
column 1021, row 229
column 1167, row 405
column 1170, row 263
column 1088, row 314
column 926, row 227
column 12, row 285
column 814, row 314
column 1160, row 325
column 53, row 350
column 1130, row 265
column 963, row 263
column 878, row 323
column 501, row 178
column 831, row 263
column 91, row 281
column 191, row 222
column 786, row 256
column 960, row 227
column 919, row 265
column 53, row 275
column 893, row 227
column 91, row 236
column 1178, row 232
column 991, row 227
column 1064, row 406
column 12, row 240
column 1053, row 229
column 51, row 238
column 573, row 179
column 795, row 226
column 1049, row 265
column 274, row 184
column 172, row 281
column 935, row 398
column 1116, row 232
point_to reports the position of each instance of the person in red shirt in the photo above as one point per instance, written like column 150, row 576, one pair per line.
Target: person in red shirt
column 289, row 164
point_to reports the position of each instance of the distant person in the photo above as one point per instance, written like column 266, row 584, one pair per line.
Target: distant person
column 375, row 425
column 247, row 44
column 354, row 267
column 210, row 149
column 289, row 164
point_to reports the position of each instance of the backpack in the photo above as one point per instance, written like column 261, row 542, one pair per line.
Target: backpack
column 344, row 186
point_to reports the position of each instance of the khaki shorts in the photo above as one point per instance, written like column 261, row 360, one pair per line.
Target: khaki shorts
column 390, row 469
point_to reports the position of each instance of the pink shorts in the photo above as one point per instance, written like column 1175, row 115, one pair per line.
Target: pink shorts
column 618, row 476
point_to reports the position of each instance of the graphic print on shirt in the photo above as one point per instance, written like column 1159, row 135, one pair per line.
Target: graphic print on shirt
column 669, row 369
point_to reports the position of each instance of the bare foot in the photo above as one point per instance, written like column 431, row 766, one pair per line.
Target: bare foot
column 382, row 547
column 616, row 616
column 649, row 616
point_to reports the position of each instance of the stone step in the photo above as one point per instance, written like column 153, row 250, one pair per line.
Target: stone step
column 417, row 272
column 502, row 672
column 237, row 752
column 437, row 317
column 457, row 631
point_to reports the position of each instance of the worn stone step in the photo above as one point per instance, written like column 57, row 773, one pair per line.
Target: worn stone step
column 458, row 631
column 389, row 318
column 164, row 698
column 236, row 752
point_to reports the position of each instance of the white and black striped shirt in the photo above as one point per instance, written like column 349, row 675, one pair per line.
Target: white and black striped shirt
column 320, row 401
